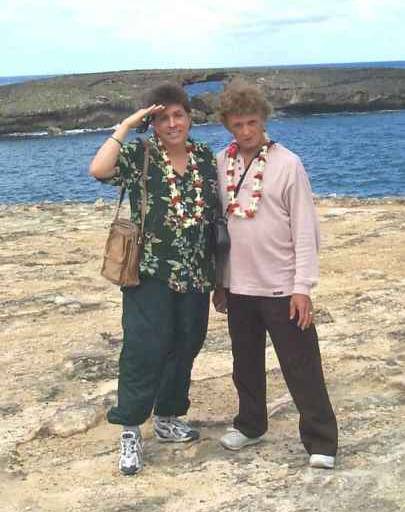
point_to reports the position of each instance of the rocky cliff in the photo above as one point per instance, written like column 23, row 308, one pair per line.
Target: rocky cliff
column 103, row 99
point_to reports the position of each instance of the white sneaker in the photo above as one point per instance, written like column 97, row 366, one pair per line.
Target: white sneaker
column 131, row 458
column 171, row 429
column 322, row 461
column 235, row 440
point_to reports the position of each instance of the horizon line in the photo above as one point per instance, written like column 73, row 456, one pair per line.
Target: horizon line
column 206, row 68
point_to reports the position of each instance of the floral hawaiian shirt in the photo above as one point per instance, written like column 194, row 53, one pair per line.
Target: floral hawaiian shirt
column 181, row 256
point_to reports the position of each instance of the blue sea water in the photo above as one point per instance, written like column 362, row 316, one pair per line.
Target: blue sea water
column 361, row 155
column 8, row 80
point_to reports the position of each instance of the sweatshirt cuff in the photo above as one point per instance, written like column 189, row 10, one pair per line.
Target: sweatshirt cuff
column 302, row 288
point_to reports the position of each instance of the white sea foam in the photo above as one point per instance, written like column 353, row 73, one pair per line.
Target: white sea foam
column 25, row 135
column 354, row 113
column 77, row 131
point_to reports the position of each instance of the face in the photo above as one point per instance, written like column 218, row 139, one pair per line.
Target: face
column 248, row 130
column 172, row 125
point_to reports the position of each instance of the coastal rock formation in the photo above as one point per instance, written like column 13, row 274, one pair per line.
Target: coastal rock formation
column 308, row 91
column 101, row 100
column 60, row 331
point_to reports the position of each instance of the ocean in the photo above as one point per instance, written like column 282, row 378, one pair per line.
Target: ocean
column 345, row 154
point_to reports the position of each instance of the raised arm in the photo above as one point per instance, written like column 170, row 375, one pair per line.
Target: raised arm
column 103, row 164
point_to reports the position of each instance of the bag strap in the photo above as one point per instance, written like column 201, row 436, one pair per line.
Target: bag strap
column 219, row 202
column 144, row 189
column 119, row 203
column 242, row 178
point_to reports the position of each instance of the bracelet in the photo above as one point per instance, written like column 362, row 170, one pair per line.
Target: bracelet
column 116, row 140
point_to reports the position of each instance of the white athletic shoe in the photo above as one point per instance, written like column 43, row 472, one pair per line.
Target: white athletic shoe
column 235, row 440
column 317, row 460
column 131, row 458
column 171, row 429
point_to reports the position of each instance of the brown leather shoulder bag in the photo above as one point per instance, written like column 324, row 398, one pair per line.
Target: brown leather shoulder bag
column 124, row 243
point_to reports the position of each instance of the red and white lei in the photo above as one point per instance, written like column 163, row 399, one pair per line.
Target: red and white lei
column 176, row 201
column 234, row 207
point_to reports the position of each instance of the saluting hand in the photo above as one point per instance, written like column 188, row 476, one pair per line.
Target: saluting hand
column 135, row 119
column 103, row 164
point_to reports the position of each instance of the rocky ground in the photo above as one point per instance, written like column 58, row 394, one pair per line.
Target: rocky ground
column 60, row 337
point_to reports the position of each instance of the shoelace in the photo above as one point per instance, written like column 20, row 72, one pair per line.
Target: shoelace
column 131, row 445
column 175, row 426
column 180, row 424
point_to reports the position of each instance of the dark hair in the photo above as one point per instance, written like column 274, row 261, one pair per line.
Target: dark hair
column 169, row 94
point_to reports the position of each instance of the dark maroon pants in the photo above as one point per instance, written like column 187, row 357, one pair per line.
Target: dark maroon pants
column 298, row 353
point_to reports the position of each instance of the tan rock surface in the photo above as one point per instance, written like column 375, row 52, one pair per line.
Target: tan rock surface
column 60, row 338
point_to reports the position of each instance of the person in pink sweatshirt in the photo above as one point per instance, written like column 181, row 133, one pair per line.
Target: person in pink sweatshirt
column 266, row 278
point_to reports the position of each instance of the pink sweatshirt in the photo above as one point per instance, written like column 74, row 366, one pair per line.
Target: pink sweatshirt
column 275, row 253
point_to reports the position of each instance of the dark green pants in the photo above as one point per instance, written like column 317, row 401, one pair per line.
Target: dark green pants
column 163, row 332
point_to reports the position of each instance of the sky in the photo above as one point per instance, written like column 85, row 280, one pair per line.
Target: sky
column 40, row 37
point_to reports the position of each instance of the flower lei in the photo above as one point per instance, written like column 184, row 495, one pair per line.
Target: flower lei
column 233, row 204
column 176, row 201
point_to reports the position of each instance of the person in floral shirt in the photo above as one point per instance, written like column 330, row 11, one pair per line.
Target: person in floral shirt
column 165, row 318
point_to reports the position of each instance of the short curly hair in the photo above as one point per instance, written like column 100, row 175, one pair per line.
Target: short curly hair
column 242, row 98
column 169, row 94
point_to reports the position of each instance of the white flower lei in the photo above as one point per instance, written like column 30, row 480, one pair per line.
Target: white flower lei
column 234, row 207
column 176, row 202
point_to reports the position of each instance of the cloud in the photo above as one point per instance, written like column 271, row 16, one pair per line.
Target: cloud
column 146, row 18
column 269, row 26
column 300, row 21
column 129, row 34
column 157, row 19
column 374, row 10
column 167, row 23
